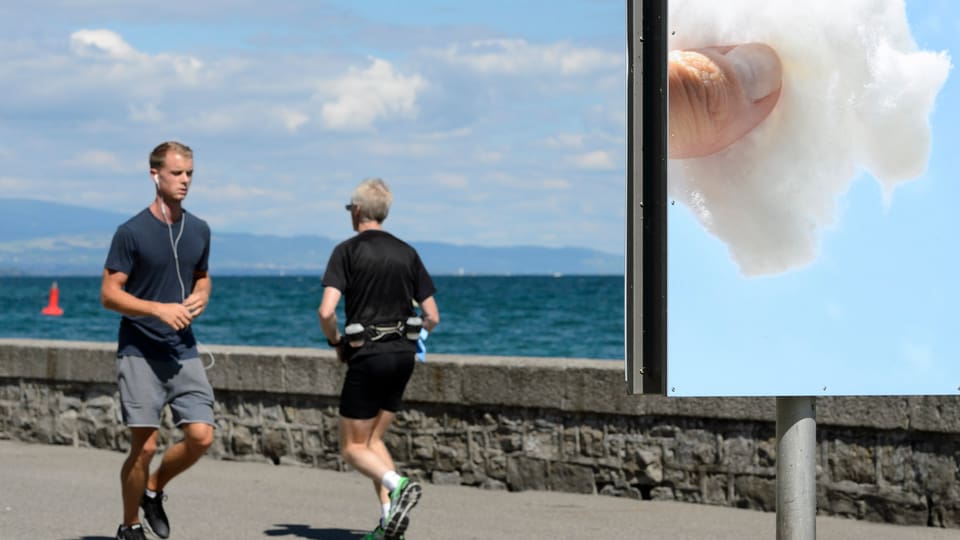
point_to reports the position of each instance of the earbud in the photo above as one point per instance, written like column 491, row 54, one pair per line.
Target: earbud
column 156, row 180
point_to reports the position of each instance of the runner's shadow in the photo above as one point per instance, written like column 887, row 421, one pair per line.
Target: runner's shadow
column 305, row 531
column 94, row 538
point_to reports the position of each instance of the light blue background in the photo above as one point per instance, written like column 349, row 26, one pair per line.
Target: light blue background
column 875, row 314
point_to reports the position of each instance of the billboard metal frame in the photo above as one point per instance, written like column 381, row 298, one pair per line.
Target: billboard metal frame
column 646, row 235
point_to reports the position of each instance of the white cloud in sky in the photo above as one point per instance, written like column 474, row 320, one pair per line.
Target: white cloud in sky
column 363, row 96
column 103, row 160
column 451, row 180
column 566, row 140
column 103, row 43
column 237, row 192
column 489, row 157
column 519, row 57
column 557, row 183
column 147, row 113
column 597, row 160
column 107, row 45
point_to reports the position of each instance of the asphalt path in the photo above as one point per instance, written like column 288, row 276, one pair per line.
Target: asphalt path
column 64, row 493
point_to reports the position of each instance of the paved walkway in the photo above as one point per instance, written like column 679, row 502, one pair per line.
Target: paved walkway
column 65, row 493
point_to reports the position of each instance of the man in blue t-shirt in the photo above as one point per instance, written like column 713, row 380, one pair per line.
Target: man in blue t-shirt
column 156, row 276
column 379, row 276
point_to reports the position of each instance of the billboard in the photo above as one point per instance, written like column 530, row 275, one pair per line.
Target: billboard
column 813, row 253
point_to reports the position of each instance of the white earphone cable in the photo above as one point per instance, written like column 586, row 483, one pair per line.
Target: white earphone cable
column 175, row 244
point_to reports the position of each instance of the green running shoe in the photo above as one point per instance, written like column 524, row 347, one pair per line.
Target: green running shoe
column 376, row 534
column 402, row 500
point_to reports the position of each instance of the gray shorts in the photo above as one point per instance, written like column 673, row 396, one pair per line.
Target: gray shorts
column 147, row 385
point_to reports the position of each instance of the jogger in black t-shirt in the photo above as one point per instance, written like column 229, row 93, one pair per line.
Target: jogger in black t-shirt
column 380, row 277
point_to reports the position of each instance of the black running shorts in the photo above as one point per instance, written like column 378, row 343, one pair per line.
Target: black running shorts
column 375, row 382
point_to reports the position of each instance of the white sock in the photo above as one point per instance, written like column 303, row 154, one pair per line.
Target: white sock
column 151, row 494
column 384, row 512
column 390, row 480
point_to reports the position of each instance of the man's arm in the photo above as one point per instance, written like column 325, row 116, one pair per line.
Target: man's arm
column 328, row 314
column 197, row 302
column 115, row 298
column 431, row 315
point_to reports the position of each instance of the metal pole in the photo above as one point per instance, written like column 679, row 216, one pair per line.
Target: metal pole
column 646, row 197
column 796, row 469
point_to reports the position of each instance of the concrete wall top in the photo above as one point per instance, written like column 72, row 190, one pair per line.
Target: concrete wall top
column 569, row 385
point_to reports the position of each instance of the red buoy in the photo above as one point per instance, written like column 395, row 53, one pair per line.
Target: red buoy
column 52, row 308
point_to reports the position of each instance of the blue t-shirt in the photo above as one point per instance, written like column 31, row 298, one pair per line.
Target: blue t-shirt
column 142, row 249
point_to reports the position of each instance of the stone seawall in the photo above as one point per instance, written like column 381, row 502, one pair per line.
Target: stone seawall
column 519, row 424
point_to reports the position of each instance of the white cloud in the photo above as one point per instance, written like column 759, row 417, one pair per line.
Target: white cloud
column 489, row 157
column 237, row 192
column 103, row 43
column 451, row 180
column 557, row 183
column 518, row 57
column 128, row 64
column 102, row 160
column 597, row 160
column 292, row 119
column 147, row 113
column 361, row 97
column 566, row 140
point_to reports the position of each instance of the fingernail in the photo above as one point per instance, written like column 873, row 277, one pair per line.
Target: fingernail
column 757, row 67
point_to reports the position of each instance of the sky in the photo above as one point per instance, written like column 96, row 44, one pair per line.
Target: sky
column 495, row 123
column 871, row 307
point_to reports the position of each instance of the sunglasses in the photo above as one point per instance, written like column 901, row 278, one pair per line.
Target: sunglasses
column 350, row 207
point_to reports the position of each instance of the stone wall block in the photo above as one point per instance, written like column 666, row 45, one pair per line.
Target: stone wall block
column 756, row 492
column 894, row 464
column 890, row 506
column 592, row 442
column 714, row 488
column 938, row 472
column 304, row 374
column 697, row 446
column 241, row 441
column 934, row 413
column 542, row 444
column 445, row 478
column 571, row 478
column 23, row 361
column 424, row 447
column 738, row 452
column 66, row 428
column 525, row 473
column 650, row 462
column 436, row 382
column 851, row 461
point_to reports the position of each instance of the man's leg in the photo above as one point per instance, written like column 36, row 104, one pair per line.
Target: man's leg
column 376, row 445
column 136, row 468
column 355, row 436
column 197, row 438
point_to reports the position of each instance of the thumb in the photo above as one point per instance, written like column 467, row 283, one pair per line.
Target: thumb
column 718, row 94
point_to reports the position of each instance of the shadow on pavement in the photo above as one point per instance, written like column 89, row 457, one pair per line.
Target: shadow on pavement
column 305, row 531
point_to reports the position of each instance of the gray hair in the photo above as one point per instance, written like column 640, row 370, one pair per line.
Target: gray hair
column 374, row 199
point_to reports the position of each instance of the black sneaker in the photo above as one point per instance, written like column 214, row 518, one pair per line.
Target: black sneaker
column 154, row 514
column 134, row 532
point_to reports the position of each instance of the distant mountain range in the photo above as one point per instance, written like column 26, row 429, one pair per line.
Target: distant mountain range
column 51, row 239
